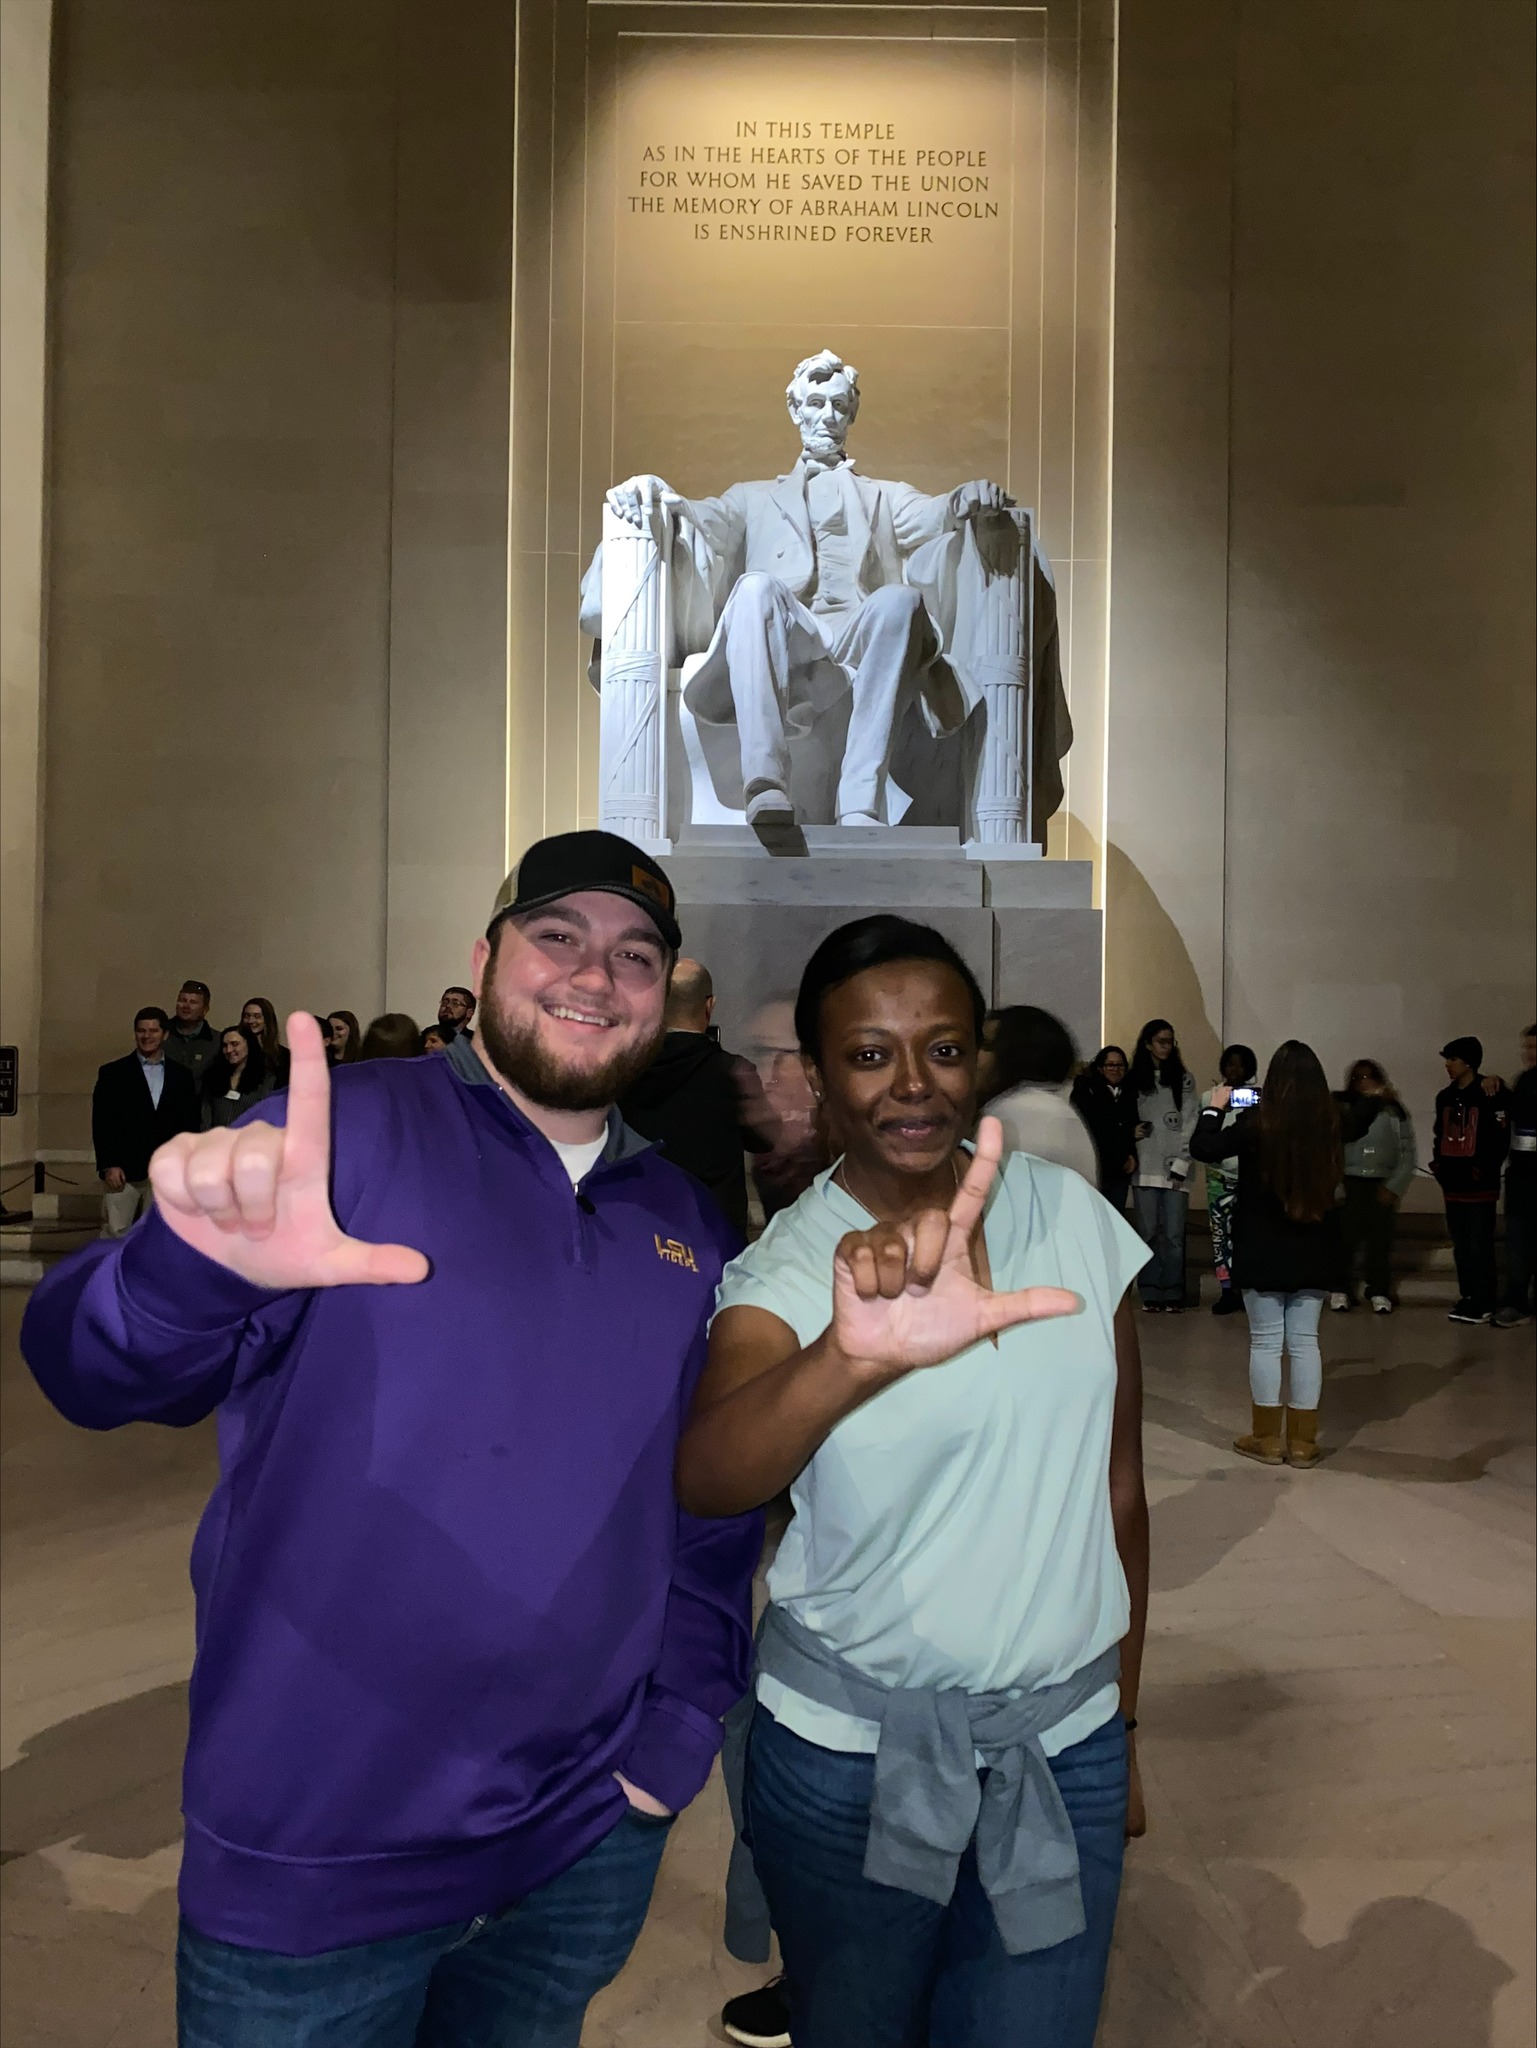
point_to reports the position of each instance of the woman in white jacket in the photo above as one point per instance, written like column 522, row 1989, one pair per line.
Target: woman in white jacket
column 1168, row 1105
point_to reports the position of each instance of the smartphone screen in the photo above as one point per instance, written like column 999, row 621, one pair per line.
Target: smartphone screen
column 1244, row 1098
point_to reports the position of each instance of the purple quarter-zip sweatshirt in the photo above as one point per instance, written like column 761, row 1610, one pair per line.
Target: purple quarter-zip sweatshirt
column 443, row 1589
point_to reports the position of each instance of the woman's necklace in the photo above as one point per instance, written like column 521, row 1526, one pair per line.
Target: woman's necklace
column 840, row 1176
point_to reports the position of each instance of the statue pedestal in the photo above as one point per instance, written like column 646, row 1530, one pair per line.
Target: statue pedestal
column 1026, row 926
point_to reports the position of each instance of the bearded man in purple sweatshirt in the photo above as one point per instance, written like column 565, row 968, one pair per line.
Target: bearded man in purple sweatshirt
column 460, row 1656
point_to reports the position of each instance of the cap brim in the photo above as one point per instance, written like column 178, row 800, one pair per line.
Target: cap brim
column 667, row 926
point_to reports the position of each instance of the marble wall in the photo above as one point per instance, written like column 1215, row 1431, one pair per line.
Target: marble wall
column 280, row 749
column 276, row 717
column 1380, row 870
column 1321, row 758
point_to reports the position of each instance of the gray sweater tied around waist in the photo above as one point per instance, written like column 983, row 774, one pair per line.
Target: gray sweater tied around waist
column 927, row 1800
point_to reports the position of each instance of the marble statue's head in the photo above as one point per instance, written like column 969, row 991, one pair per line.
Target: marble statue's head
column 823, row 397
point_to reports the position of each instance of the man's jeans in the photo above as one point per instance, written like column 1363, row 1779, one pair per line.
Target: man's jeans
column 1520, row 1245
column 1160, row 1218
column 1472, row 1226
column 521, row 1978
column 869, row 1966
column 1369, row 1224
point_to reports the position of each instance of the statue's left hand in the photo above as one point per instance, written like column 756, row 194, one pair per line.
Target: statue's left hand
column 967, row 500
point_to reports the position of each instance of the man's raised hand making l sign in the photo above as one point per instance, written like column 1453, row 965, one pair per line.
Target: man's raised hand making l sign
column 257, row 1198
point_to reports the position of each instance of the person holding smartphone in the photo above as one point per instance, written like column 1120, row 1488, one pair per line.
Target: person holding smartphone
column 1167, row 1107
column 1288, row 1251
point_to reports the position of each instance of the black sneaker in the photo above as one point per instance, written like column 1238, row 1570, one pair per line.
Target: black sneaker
column 1465, row 1312
column 761, row 2018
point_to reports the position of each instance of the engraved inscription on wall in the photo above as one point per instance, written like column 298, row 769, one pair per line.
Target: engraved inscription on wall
column 814, row 182
column 824, row 178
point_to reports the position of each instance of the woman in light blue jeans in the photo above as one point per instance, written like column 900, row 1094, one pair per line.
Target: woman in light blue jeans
column 1289, row 1322
column 1288, row 1251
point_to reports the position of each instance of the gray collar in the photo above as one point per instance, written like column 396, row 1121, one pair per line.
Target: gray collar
column 620, row 1143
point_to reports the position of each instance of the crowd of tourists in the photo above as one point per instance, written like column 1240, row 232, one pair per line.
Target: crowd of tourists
column 504, row 1392
column 1143, row 1117
column 185, row 1075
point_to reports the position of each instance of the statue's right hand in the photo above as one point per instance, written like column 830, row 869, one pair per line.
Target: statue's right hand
column 257, row 1199
column 638, row 499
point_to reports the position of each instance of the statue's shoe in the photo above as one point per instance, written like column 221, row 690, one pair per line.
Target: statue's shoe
column 860, row 818
column 771, row 815
column 770, row 808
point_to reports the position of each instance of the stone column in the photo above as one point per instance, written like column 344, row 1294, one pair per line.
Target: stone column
column 25, row 29
column 632, row 753
column 995, row 610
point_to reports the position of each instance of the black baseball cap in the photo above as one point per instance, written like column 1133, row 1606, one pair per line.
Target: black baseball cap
column 572, row 861
column 1469, row 1050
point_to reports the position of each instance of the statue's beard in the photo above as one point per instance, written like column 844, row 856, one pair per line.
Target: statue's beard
column 518, row 1056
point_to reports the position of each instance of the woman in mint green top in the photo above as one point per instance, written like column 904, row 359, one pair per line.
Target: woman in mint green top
column 964, row 1581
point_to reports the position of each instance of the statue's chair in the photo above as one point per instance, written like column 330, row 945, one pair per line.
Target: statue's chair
column 655, row 773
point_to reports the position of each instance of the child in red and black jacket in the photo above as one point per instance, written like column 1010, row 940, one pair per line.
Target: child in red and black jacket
column 1472, row 1136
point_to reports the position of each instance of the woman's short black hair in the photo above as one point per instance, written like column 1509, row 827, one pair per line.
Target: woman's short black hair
column 1028, row 1044
column 879, row 941
column 1244, row 1054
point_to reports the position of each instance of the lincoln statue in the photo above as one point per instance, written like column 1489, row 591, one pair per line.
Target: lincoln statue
column 810, row 567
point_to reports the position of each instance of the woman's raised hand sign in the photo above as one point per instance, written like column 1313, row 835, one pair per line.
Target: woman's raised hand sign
column 905, row 1294
column 258, row 1199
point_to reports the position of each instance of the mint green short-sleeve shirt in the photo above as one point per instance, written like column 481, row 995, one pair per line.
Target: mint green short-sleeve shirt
column 955, row 1531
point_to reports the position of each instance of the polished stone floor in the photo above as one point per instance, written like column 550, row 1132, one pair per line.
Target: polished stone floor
column 1337, row 1721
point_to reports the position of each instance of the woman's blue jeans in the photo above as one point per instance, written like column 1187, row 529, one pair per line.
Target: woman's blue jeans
column 868, row 1966
column 1160, row 1218
column 1289, row 1322
column 521, row 1978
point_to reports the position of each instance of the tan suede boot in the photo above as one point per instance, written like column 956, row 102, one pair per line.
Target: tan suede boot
column 1266, row 1444
column 1302, row 1436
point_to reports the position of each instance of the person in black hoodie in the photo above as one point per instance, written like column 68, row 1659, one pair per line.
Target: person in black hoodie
column 1472, row 1136
column 1521, row 1191
column 1288, row 1250
column 701, row 1104
column 1109, row 1108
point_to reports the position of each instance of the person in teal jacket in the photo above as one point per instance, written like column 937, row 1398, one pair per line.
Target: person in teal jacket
column 1378, row 1169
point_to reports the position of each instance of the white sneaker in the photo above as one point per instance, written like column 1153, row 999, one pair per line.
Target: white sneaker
column 1339, row 1303
column 1381, row 1306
